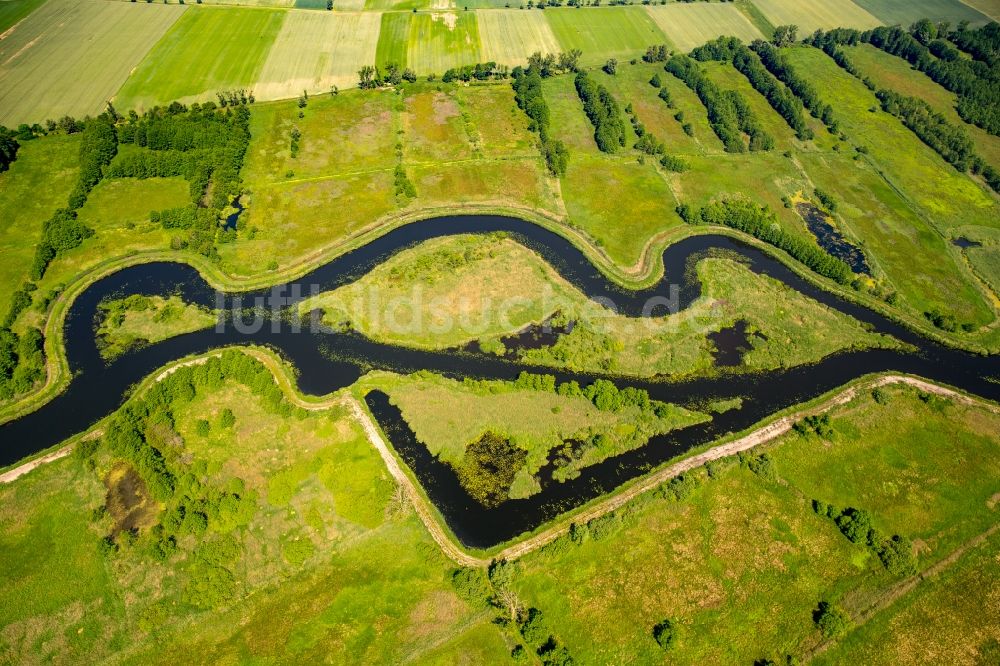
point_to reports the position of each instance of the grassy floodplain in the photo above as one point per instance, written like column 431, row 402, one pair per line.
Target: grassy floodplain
column 690, row 25
column 332, row 562
column 449, row 417
column 484, row 289
column 325, row 527
column 208, row 50
column 34, row 187
column 740, row 564
column 935, row 192
column 70, row 57
column 137, row 321
column 896, row 74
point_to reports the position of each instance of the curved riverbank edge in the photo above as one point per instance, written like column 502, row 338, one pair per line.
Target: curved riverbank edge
column 763, row 432
column 757, row 435
column 643, row 274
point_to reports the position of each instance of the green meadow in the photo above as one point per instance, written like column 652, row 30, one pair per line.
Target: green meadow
column 209, row 49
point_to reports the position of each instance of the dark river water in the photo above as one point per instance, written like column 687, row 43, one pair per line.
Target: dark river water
column 328, row 360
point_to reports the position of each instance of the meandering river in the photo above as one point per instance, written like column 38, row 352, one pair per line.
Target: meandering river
column 326, row 361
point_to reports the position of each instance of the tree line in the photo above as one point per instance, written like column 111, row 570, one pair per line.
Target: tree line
column 528, row 95
column 748, row 63
column 761, row 223
column 8, row 148
column 603, row 112
column 975, row 82
column 63, row 231
column 779, row 66
column 948, row 140
column 728, row 113
column 371, row 77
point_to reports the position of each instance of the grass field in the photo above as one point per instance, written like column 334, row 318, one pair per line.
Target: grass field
column 35, row 186
column 942, row 616
column 210, row 49
column 325, row 538
column 986, row 262
column 434, row 127
column 812, row 15
column 340, row 134
column 620, row 203
column 12, row 11
column 906, row 12
column 691, row 25
column 604, row 32
column 499, row 128
column 739, row 566
column 935, row 192
column 509, row 36
column 439, row 41
column 317, row 50
column 896, row 74
column 990, row 8
column 71, row 56
column 483, row 289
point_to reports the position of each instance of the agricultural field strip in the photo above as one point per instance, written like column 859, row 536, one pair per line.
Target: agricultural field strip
column 691, row 25
column 315, row 50
column 71, row 57
column 810, row 15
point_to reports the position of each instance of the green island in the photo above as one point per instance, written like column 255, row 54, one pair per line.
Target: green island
column 137, row 320
column 542, row 332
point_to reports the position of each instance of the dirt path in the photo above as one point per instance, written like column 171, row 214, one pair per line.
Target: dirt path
column 421, row 506
column 907, row 585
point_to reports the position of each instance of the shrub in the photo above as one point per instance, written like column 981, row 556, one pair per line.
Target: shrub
column 831, row 620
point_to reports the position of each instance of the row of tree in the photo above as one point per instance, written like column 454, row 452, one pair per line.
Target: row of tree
column 948, row 140
column 482, row 71
column 371, row 76
column 528, row 95
column 779, row 66
column 603, row 112
column 975, row 82
column 22, row 361
column 982, row 44
column 8, row 148
column 728, row 113
column 761, row 223
column 895, row 552
column 781, row 99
